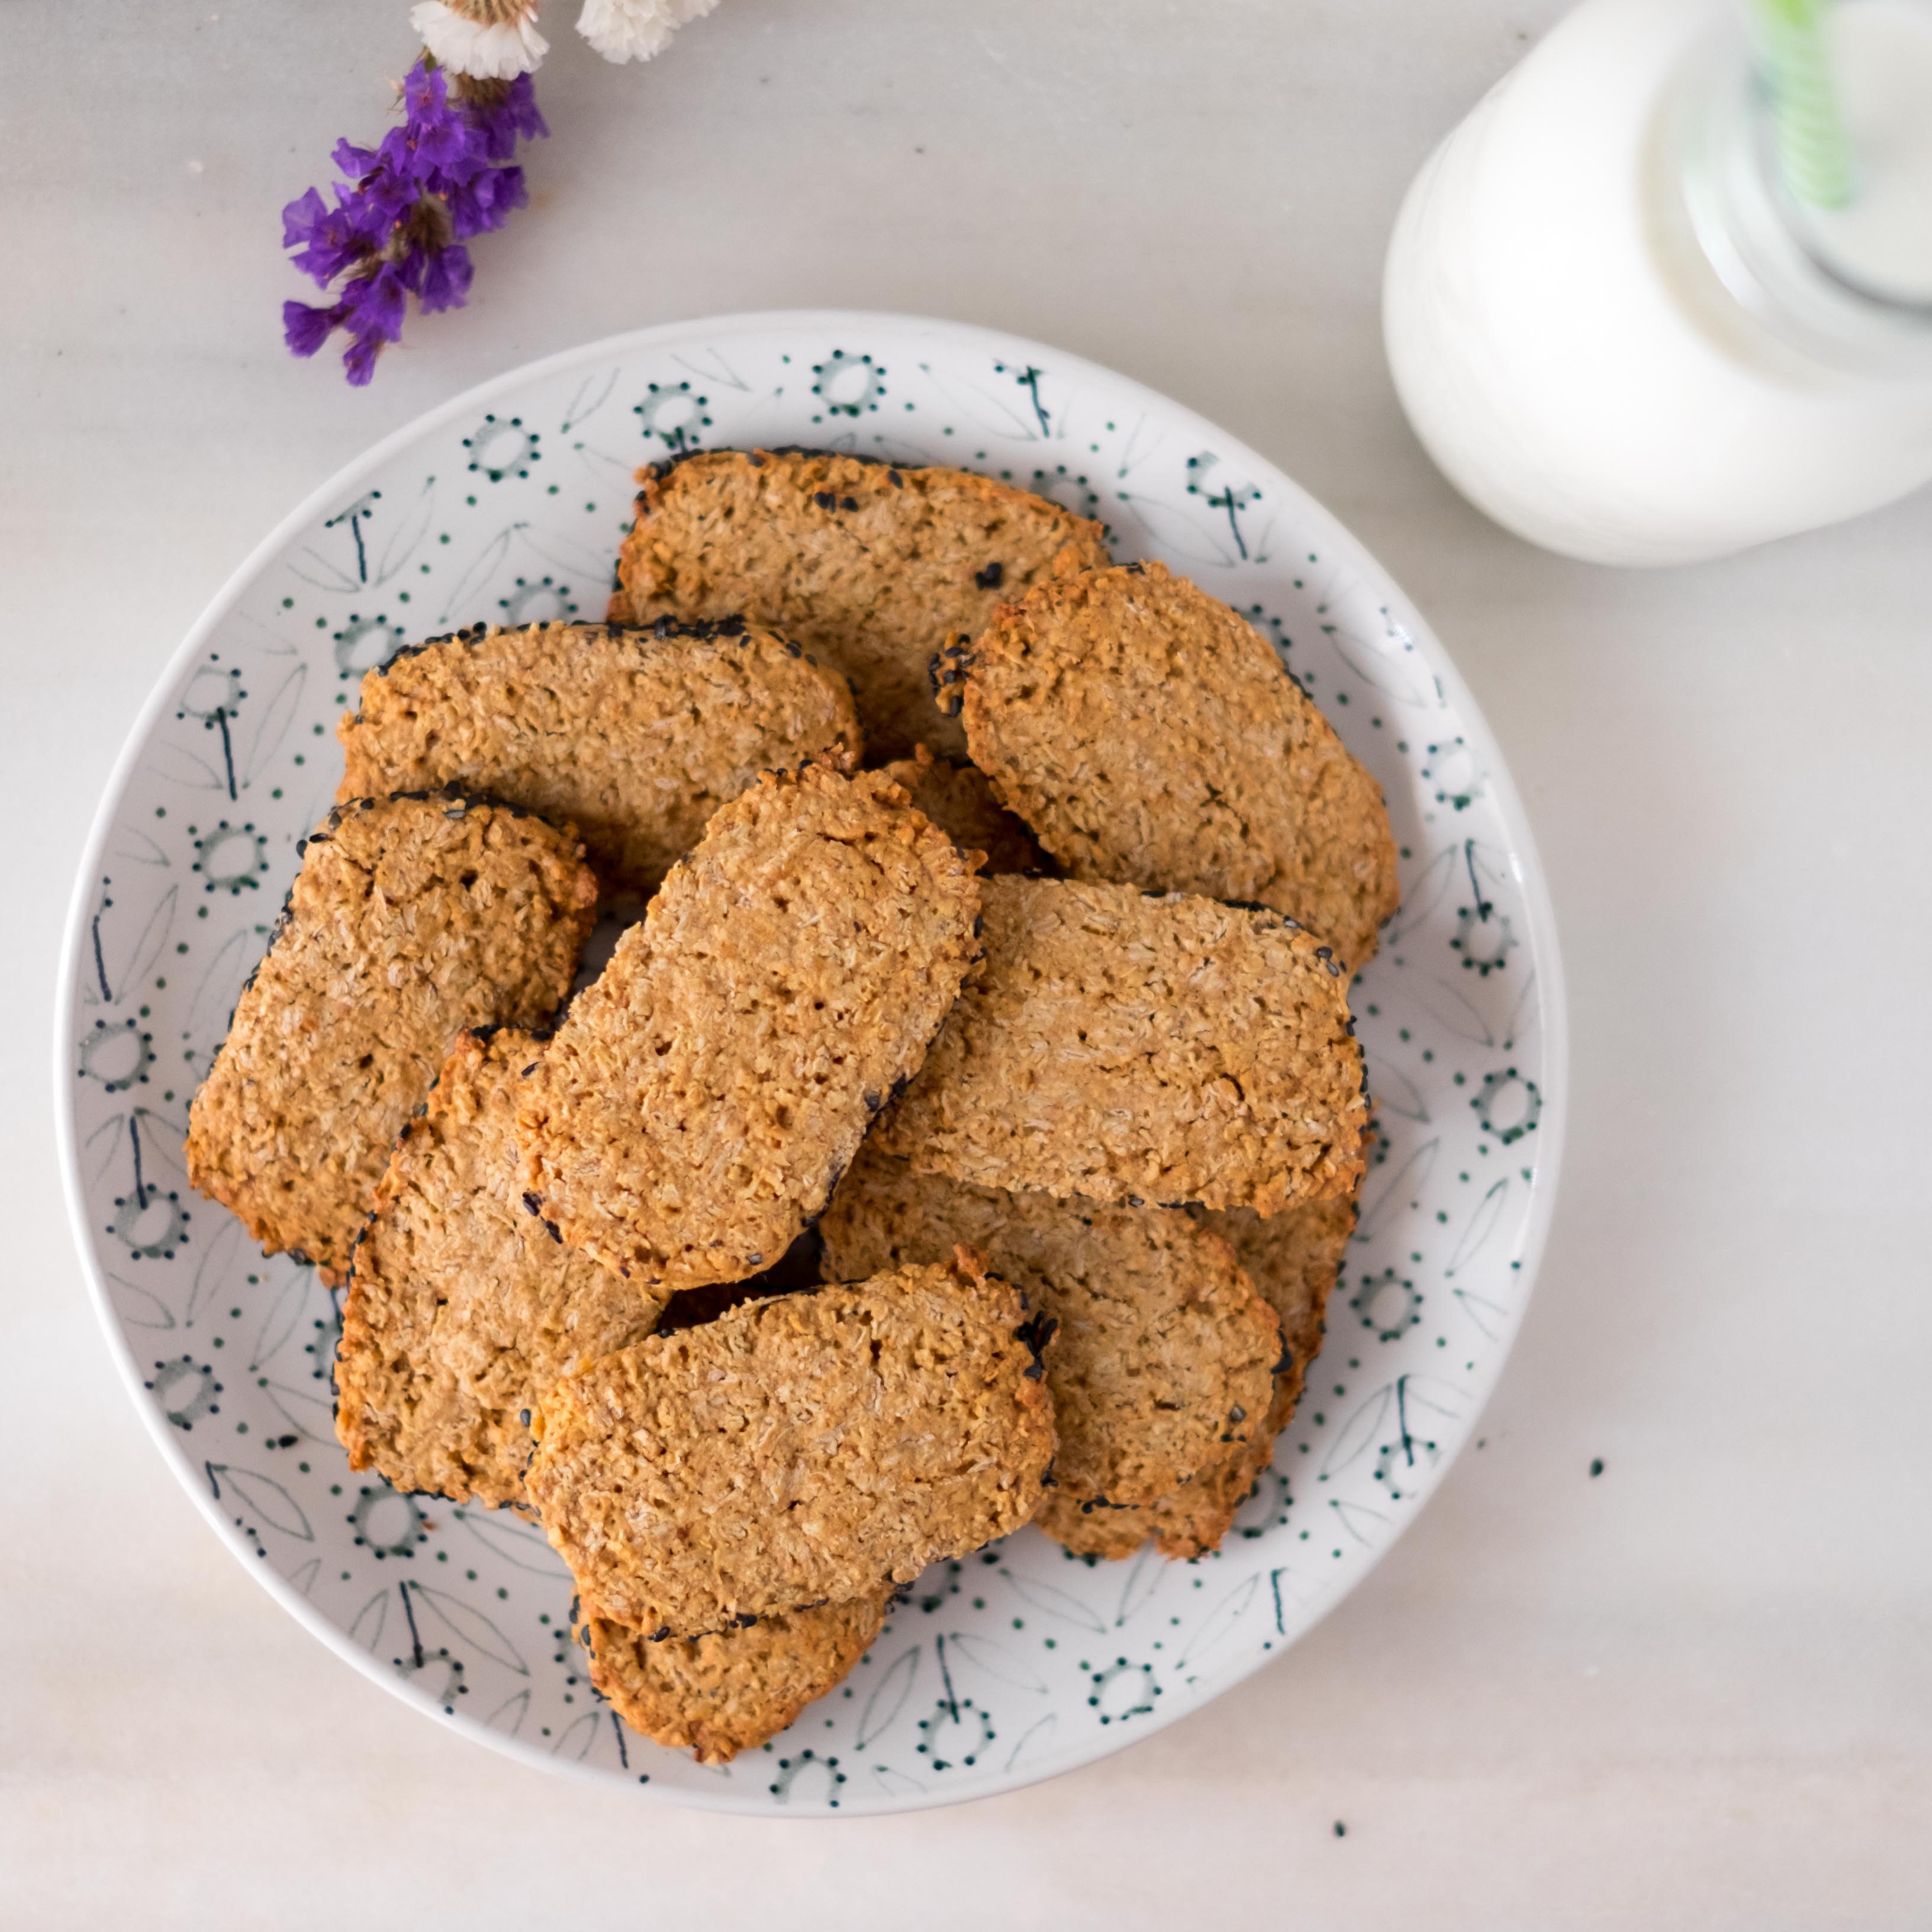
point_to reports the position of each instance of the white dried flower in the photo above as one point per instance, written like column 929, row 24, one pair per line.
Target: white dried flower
column 628, row 30
column 498, row 49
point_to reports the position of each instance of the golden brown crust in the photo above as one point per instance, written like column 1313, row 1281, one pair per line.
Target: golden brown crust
column 959, row 800
column 702, row 1097
column 874, row 568
column 1294, row 1259
column 1150, row 735
column 795, row 1451
column 718, row 1695
column 461, row 1310
column 1141, row 1050
column 410, row 920
column 1189, row 1521
column 1163, row 1353
column 635, row 736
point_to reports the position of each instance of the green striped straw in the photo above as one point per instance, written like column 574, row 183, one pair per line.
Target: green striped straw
column 1812, row 155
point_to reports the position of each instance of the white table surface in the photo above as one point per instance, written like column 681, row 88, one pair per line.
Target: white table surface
column 1695, row 1692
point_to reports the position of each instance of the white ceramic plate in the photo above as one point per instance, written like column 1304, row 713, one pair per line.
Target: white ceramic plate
column 507, row 505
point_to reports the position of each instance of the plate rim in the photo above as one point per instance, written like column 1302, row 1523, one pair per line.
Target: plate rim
column 1539, row 905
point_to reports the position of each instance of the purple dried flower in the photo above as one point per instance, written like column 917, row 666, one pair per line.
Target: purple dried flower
column 305, row 329
column 383, row 191
column 445, row 280
column 486, row 202
column 520, row 104
column 437, row 138
column 515, row 117
column 404, row 207
column 301, row 218
column 326, row 240
column 374, row 305
column 425, row 94
column 354, row 162
column 451, row 149
column 359, row 359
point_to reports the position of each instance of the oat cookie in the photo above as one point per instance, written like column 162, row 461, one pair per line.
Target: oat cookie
column 462, row 1311
column 702, row 1097
column 1142, row 1050
column 1149, row 734
column 636, row 736
column 1163, row 1353
column 799, row 1451
column 1190, row 1521
column 717, row 1695
column 1293, row 1259
column 412, row 918
column 959, row 800
column 872, row 568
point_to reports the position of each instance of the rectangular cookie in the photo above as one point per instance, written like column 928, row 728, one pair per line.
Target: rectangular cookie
column 702, row 1095
column 462, row 1311
column 1294, row 1260
column 1149, row 734
column 796, row 1451
column 960, row 801
column 873, row 568
column 412, row 918
column 1163, row 1353
column 1134, row 1048
column 717, row 1695
column 1188, row 1521
column 635, row 736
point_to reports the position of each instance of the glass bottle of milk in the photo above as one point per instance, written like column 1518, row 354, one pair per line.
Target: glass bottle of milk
column 1619, row 329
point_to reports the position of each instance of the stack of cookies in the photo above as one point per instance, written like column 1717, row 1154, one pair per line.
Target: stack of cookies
column 999, row 905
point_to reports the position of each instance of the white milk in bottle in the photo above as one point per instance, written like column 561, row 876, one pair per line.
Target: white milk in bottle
column 1620, row 336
